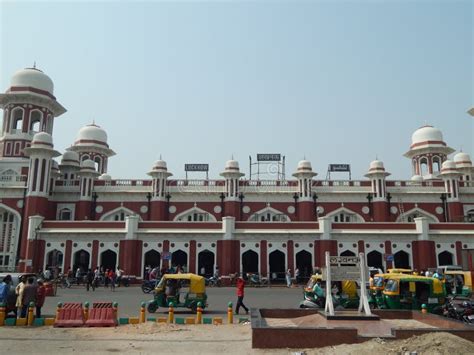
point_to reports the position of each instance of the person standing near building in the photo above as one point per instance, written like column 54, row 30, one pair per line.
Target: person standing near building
column 118, row 274
column 288, row 278
column 29, row 295
column 297, row 276
column 5, row 289
column 19, row 295
column 40, row 297
column 90, row 280
column 240, row 296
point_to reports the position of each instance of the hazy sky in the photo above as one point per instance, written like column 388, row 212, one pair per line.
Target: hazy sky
column 198, row 82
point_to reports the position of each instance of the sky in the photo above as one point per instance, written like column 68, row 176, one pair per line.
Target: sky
column 201, row 82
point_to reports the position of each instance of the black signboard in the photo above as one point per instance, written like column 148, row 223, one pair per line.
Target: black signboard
column 339, row 167
column 196, row 167
column 268, row 157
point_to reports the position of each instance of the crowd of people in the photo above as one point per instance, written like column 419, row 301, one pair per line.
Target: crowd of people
column 155, row 273
column 26, row 291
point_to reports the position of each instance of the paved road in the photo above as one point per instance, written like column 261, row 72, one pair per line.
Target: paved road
column 129, row 299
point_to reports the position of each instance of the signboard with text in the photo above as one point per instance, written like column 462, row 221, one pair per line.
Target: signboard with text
column 196, row 167
column 339, row 167
column 268, row 157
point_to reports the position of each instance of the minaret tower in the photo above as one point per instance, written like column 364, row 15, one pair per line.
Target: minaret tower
column 29, row 107
column 464, row 166
column 306, row 209
column 377, row 175
column 232, row 175
column 427, row 152
column 87, row 175
column 159, row 174
column 450, row 176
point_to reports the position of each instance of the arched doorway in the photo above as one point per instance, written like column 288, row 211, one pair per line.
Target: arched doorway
column 304, row 264
column 401, row 260
column 375, row 259
column 249, row 263
column 108, row 259
column 206, row 262
column 445, row 258
column 179, row 258
column 347, row 253
column 81, row 260
column 277, row 264
column 152, row 259
column 54, row 259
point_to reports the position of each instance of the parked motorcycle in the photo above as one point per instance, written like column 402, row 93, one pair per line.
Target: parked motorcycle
column 213, row 281
column 462, row 310
column 256, row 281
column 148, row 286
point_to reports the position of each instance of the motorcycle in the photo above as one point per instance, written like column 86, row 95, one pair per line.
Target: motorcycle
column 148, row 286
column 213, row 281
column 256, row 280
column 462, row 310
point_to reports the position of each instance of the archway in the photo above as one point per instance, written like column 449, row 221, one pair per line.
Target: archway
column 81, row 260
column 375, row 259
column 445, row 258
column 54, row 259
column 276, row 259
column 152, row 258
column 206, row 262
column 179, row 258
column 401, row 260
column 347, row 253
column 108, row 259
column 304, row 264
column 249, row 263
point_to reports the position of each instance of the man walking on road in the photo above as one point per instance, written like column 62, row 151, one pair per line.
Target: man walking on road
column 240, row 296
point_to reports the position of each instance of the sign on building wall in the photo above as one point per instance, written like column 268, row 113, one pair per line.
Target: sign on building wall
column 196, row 167
column 268, row 157
column 339, row 167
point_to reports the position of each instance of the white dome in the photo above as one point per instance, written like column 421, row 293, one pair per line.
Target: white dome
column 304, row 165
column 426, row 133
column 42, row 138
column 70, row 158
column 88, row 164
column 92, row 132
column 462, row 158
column 232, row 164
column 417, row 178
column 105, row 177
column 376, row 164
column 160, row 164
column 32, row 77
column 448, row 165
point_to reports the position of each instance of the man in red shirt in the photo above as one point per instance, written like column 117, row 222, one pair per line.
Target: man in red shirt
column 240, row 296
column 40, row 297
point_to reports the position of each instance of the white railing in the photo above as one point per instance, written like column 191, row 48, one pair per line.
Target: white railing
column 13, row 180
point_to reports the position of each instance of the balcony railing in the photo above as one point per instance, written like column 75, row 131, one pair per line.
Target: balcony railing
column 13, row 180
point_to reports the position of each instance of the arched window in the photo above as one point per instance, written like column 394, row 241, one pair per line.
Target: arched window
column 470, row 216
column 65, row 214
column 269, row 214
column 98, row 163
column 195, row 214
column 35, row 120
column 85, row 157
column 117, row 214
column 17, row 119
column 344, row 215
column 423, row 166
column 409, row 216
column 436, row 165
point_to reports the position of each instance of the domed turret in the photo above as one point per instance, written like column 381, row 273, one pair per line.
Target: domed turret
column 105, row 177
column 417, row 178
column 87, row 165
column 426, row 134
column 31, row 78
column 232, row 165
column 462, row 160
column 159, row 174
column 91, row 134
column 42, row 139
column 160, row 165
column 70, row 159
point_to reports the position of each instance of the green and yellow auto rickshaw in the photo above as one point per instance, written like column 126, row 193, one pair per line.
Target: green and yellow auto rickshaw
column 183, row 290
column 400, row 271
column 411, row 292
column 458, row 282
column 346, row 296
column 376, row 287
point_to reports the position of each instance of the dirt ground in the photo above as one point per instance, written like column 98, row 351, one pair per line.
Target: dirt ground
column 206, row 339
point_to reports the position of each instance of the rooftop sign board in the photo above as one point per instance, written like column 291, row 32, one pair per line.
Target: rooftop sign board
column 268, row 157
column 196, row 167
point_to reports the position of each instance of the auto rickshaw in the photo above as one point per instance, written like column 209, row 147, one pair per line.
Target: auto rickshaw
column 346, row 297
column 183, row 290
column 459, row 283
column 411, row 292
column 400, row 271
column 377, row 286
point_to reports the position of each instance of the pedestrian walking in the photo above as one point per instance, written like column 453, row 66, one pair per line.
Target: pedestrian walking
column 240, row 296
column 288, row 278
column 40, row 297
column 90, row 280
column 297, row 276
column 118, row 274
column 111, row 277
column 78, row 276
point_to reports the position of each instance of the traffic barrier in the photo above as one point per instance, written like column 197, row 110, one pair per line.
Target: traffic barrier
column 101, row 315
column 123, row 321
column 162, row 320
column 10, row 322
column 30, row 314
column 199, row 313
column 20, row 321
column 38, row 322
column 49, row 321
column 151, row 319
column 206, row 320
column 142, row 312
column 230, row 313
column 190, row 320
column 178, row 320
column 133, row 320
column 69, row 314
column 171, row 313
column 2, row 314
column 217, row 320
column 424, row 308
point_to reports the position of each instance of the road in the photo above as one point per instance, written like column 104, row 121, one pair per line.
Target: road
column 130, row 298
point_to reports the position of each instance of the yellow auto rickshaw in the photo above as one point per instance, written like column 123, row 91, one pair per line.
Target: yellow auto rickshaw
column 459, row 282
column 400, row 271
column 182, row 290
column 347, row 296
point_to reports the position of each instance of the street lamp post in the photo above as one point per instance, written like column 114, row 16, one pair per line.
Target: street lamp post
column 315, row 205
